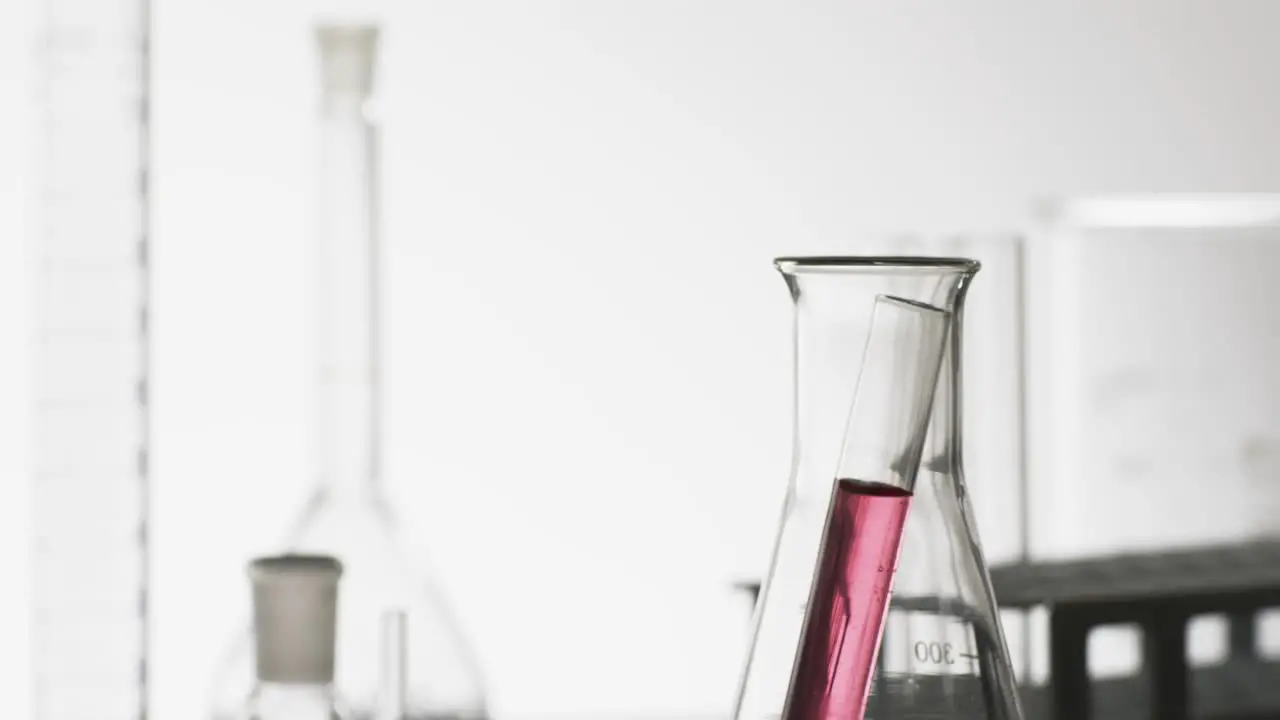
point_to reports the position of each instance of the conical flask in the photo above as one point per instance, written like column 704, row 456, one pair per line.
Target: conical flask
column 400, row 652
column 804, row 661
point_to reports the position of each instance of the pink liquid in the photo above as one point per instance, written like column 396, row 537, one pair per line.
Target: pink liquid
column 848, row 604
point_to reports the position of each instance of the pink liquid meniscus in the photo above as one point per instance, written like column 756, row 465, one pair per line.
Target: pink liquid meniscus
column 850, row 597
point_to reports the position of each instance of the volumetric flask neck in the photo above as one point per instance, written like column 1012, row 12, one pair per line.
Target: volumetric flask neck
column 348, row 382
column 835, row 301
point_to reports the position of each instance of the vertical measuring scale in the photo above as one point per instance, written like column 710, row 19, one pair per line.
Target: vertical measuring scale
column 90, row 346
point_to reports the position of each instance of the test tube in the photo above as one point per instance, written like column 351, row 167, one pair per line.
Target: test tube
column 391, row 700
column 872, row 493
column 884, row 436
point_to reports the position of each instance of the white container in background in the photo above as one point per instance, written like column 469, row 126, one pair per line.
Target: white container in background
column 1155, row 373
column 1154, row 386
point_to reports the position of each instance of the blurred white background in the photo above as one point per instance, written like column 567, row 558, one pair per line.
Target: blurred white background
column 587, row 359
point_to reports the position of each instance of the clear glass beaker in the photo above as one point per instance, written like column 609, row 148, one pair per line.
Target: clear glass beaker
column 401, row 653
column 941, row 602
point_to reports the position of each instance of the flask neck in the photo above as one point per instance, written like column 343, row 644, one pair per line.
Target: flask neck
column 832, row 321
column 346, row 298
column 345, row 109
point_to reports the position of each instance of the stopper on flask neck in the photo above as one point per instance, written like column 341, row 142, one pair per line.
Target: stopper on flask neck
column 348, row 53
column 295, row 603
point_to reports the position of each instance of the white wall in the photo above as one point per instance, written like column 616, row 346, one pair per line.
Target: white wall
column 581, row 201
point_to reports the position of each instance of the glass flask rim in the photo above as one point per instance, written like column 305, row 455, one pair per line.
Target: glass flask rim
column 876, row 264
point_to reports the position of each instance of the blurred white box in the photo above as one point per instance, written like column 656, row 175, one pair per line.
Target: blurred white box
column 1154, row 374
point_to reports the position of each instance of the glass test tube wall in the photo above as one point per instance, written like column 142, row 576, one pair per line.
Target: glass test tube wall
column 89, row 405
